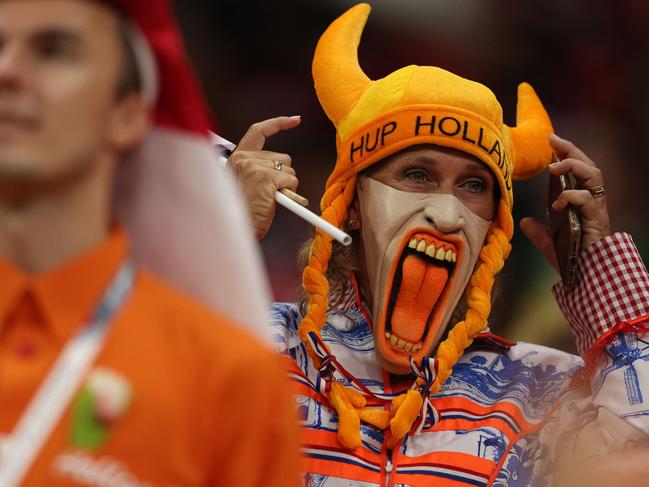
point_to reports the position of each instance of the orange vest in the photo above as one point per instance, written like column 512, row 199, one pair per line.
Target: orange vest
column 209, row 405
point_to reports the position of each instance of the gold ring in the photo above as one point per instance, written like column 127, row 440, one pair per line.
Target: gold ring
column 597, row 191
column 278, row 164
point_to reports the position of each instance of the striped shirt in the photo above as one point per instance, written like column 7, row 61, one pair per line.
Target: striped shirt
column 508, row 412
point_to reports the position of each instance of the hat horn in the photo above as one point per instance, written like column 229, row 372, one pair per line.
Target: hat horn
column 532, row 151
column 339, row 79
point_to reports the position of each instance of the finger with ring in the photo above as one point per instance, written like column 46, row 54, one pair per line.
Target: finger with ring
column 597, row 191
column 278, row 164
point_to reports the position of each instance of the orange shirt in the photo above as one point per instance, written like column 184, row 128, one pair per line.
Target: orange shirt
column 210, row 406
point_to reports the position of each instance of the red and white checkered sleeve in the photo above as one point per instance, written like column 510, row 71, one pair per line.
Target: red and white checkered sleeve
column 612, row 291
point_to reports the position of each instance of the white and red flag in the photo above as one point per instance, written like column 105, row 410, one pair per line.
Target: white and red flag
column 181, row 208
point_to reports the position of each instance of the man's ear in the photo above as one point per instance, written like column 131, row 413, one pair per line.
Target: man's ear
column 130, row 121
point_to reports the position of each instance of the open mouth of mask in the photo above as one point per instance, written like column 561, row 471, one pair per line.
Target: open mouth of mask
column 418, row 290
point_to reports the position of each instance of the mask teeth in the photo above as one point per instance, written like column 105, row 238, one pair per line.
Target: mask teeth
column 438, row 252
column 401, row 344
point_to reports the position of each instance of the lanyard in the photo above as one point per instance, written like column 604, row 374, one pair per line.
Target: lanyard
column 55, row 393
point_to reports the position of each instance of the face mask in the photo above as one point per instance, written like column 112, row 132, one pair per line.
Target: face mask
column 420, row 250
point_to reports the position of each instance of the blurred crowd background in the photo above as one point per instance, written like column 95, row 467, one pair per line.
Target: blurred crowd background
column 587, row 59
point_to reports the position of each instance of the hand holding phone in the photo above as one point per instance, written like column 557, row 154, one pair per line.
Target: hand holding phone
column 565, row 228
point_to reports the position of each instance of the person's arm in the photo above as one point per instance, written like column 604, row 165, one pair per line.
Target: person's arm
column 627, row 468
column 608, row 312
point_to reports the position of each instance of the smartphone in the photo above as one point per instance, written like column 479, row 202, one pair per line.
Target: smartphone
column 565, row 229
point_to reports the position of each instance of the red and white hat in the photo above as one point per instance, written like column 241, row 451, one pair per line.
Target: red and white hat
column 181, row 208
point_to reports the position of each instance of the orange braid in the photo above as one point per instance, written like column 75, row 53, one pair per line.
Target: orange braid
column 491, row 260
column 334, row 205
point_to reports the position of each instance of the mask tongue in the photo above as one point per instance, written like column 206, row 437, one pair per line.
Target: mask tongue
column 422, row 284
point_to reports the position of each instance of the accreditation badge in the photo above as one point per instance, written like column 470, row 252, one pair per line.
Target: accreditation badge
column 101, row 402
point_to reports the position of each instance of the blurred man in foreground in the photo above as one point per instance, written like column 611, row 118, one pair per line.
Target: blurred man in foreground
column 109, row 375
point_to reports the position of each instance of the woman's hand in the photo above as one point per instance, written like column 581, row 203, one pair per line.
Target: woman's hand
column 262, row 172
column 589, row 198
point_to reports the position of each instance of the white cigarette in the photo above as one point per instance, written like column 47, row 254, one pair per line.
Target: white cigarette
column 313, row 219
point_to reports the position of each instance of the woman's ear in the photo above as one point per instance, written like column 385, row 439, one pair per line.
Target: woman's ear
column 354, row 215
